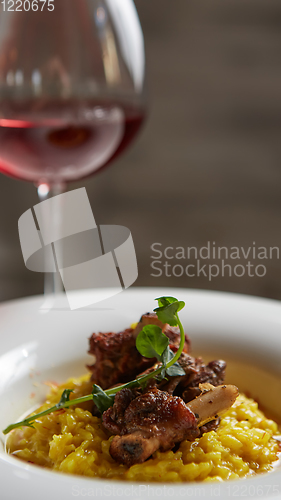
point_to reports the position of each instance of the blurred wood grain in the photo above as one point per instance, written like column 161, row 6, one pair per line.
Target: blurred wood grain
column 207, row 165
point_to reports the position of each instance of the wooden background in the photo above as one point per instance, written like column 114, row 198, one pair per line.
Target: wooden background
column 207, row 165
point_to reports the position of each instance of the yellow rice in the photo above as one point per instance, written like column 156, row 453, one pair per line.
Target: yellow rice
column 73, row 441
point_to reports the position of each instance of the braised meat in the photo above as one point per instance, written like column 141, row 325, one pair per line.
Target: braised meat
column 147, row 421
column 166, row 412
column 117, row 359
column 212, row 373
column 113, row 419
column 153, row 420
column 196, row 373
column 210, row 426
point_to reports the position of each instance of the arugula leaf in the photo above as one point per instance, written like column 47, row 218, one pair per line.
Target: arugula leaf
column 64, row 398
column 165, row 301
column 175, row 369
column 167, row 356
column 101, row 399
column 168, row 309
column 151, row 342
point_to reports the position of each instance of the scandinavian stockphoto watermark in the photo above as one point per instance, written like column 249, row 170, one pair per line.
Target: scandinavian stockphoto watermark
column 60, row 235
column 211, row 261
column 135, row 491
column 141, row 491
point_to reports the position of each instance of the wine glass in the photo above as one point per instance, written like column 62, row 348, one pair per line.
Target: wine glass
column 72, row 89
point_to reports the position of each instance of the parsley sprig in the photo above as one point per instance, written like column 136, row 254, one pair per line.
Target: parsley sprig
column 151, row 342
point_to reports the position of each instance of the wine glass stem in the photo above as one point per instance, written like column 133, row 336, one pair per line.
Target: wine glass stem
column 52, row 281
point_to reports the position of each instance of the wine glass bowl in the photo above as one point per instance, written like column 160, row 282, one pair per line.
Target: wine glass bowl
column 72, row 91
column 72, row 88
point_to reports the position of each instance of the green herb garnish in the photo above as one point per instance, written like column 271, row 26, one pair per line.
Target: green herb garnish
column 64, row 398
column 101, row 399
column 151, row 343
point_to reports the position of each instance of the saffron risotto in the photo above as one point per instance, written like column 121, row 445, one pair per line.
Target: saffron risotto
column 73, row 441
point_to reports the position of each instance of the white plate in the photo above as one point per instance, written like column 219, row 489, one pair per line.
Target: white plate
column 40, row 344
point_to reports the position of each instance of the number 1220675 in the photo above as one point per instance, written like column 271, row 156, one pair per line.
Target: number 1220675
column 27, row 5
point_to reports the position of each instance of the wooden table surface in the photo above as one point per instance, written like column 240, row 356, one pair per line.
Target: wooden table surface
column 207, row 165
